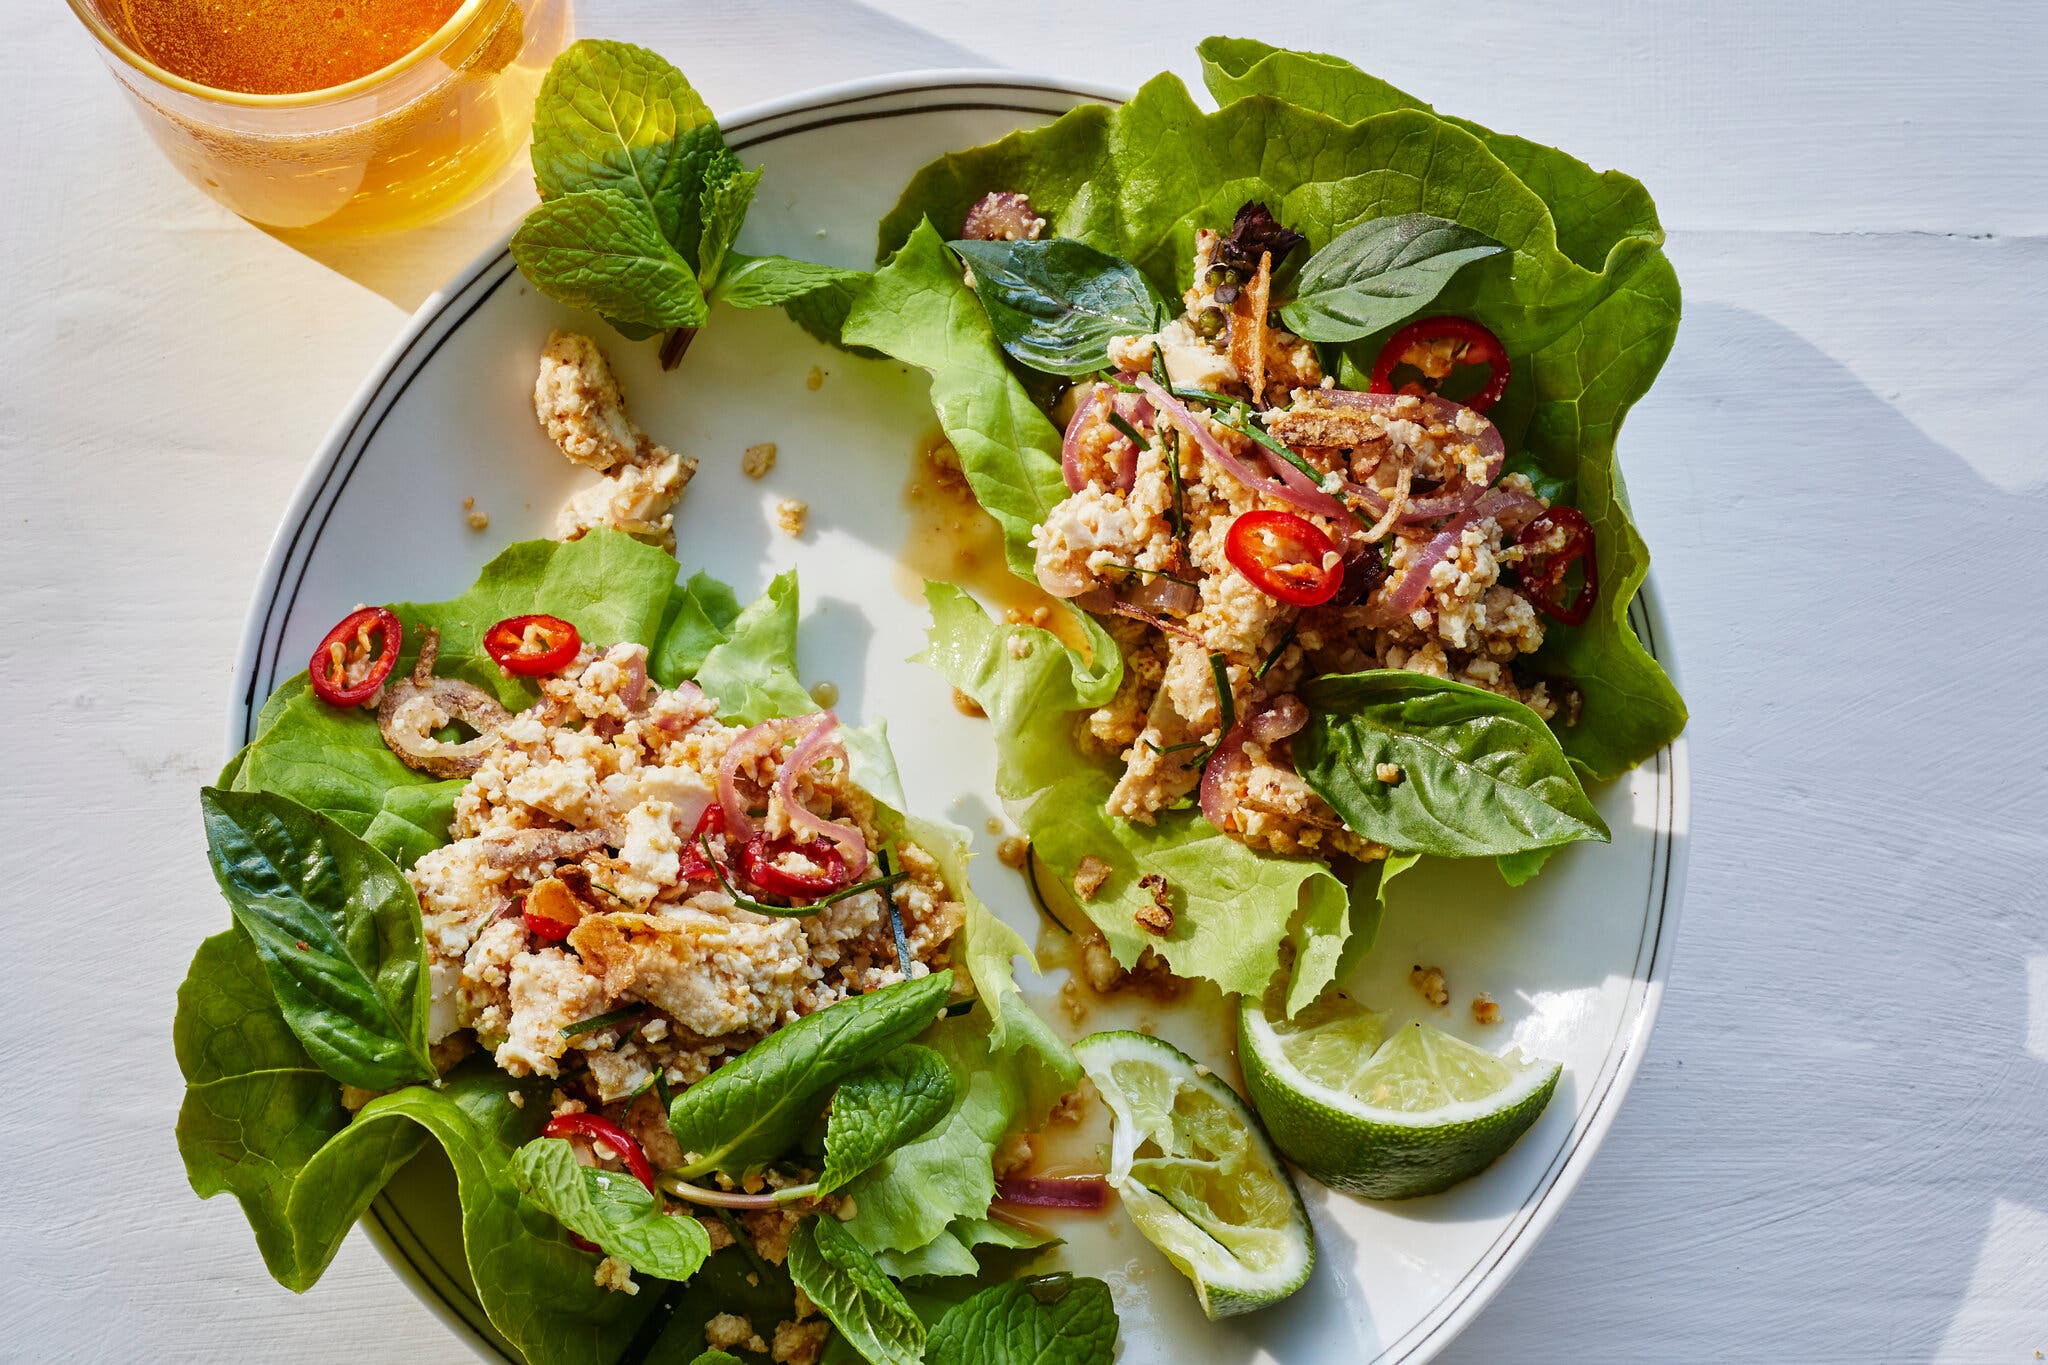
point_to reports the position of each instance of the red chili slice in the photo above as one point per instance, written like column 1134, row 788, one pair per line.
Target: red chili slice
column 529, row 646
column 1285, row 557
column 598, row 1128
column 1439, row 343
column 759, row 867
column 332, row 659
column 696, row 866
column 1543, row 577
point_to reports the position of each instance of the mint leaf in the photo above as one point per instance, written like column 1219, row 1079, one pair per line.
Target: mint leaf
column 1375, row 274
column 599, row 249
column 337, row 928
column 878, row 1110
column 1055, row 304
column 615, row 116
column 761, row 281
column 1480, row 775
column 726, row 200
column 851, row 1290
column 612, row 1209
column 1043, row 1320
column 753, row 1109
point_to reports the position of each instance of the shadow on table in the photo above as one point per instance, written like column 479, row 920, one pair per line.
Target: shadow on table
column 842, row 40
column 1837, row 1130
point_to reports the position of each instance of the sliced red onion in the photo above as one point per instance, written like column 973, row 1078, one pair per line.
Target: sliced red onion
column 1088, row 1193
column 750, row 743
column 1223, row 766
column 1281, row 718
column 1132, row 408
column 1158, row 623
column 812, row 749
column 1307, row 493
column 413, row 708
column 1401, row 597
column 1299, row 493
column 672, row 722
column 634, row 666
column 1165, row 596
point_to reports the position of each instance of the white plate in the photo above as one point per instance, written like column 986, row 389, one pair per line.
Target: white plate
column 1576, row 959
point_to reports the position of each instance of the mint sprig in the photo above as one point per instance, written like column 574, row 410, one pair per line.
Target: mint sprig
column 642, row 203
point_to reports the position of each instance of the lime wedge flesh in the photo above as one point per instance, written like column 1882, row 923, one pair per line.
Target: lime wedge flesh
column 1411, row 1115
column 1197, row 1175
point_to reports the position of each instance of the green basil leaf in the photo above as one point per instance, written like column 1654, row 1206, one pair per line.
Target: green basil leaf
column 726, row 200
column 1040, row 1320
column 753, row 1109
column 875, row 1111
column 851, row 1290
column 615, row 116
column 337, row 928
column 1480, row 775
column 1377, row 273
column 716, row 1357
column 1056, row 304
column 612, row 1209
column 599, row 249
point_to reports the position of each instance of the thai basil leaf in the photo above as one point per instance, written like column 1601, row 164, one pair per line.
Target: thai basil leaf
column 851, row 1290
column 1375, row 274
column 1518, row 868
column 612, row 1209
column 1480, row 775
column 875, row 1111
column 752, row 1110
column 1056, row 304
column 337, row 927
column 1040, row 1320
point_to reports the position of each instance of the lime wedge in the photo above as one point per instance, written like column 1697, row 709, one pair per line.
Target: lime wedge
column 1197, row 1175
column 1412, row 1115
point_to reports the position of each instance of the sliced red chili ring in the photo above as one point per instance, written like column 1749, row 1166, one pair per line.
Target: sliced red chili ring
column 1543, row 575
column 598, row 1128
column 329, row 669
column 695, row 865
column 1461, row 341
column 1286, row 557
column 529, row 646
column 760, row 867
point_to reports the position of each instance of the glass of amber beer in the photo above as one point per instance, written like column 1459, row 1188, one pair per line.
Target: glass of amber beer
column 333, row 116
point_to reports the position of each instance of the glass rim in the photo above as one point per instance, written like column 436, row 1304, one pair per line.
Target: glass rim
column 88, row 14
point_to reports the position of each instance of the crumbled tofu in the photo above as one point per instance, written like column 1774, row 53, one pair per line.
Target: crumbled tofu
column 1485, row 1009
column 579, row 404
column 1429, row 984
column 758, row 460
column 799, row 1343
column 815, row 380
column 1011, row 851
column 728, row 1330
column 1389, row 773
column 478, row 521
column 1089, row 876
column 615, row 1275
column 791, row 515
column 1156, row 918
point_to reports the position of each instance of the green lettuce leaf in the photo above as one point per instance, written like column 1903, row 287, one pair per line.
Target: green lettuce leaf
column 611, row 1209
column 337, row 927
column 1232, row 907
column 952, row 1252
column 752, row 673
column 1582, row 296
column 831, row 1266
column 700, row 617
column 1043, row 1320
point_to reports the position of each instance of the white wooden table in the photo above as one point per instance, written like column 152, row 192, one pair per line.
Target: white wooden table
column 1838, row 1150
